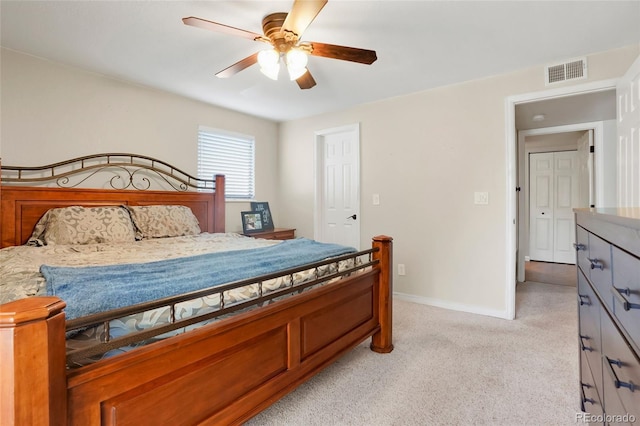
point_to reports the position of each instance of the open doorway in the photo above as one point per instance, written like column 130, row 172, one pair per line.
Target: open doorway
column 545, row 219
column 558, row 107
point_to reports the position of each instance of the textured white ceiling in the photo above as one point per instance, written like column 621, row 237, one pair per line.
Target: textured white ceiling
column 420, row 44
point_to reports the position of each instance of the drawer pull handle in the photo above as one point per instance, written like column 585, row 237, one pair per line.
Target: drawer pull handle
column 582, row 346
column 582, row 302
column 584, row 397
column 616, row 382
column 620, row 293
column 596, row 264
column 579, row 246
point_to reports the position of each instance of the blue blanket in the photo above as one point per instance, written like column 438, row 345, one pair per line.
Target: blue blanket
column 93, row 289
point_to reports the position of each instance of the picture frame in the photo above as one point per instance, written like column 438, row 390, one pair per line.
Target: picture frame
column 251, row 222
column 263, row 208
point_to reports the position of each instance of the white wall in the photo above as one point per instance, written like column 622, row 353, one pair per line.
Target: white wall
column 426, row 154
column 51, row 113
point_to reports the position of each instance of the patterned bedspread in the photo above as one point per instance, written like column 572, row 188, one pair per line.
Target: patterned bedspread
column 20, row 266
column 20, row 278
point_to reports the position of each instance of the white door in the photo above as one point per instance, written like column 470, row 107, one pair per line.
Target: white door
column 553, row 193
column 338, row 186
column 628, row 117
column 541, row 207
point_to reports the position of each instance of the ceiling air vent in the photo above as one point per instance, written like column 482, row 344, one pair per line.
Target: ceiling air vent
column 575, row 69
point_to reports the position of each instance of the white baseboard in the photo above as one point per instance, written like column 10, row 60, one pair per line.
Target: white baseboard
column 472, row 309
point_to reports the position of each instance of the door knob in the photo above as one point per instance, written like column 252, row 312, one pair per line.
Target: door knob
column 353, row 216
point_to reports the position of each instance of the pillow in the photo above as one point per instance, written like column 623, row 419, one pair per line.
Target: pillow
column 88, row 225
column 160, row 221
column 37, row 236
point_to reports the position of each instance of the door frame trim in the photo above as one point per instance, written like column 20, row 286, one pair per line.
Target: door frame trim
column 318, row 211
column 511, row 171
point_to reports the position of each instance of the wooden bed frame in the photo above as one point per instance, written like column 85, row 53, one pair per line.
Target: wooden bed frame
column 222, row 373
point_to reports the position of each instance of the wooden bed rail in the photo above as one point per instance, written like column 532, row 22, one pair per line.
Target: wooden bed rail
column 292, row 340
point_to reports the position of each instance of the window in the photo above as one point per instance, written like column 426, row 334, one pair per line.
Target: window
column 221, row 152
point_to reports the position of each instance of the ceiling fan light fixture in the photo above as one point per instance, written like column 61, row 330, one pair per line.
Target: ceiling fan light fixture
column 296, row 73
column 269, row 61
column 271, row 71
column 296, row 63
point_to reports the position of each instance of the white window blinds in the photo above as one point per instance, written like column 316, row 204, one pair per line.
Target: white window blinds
column 232, row 155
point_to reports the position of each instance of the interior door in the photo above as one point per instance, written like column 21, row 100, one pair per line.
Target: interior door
column 566, row 191
column 628, row 117
column 338, row 192
column 541, row 207
column 553, row 193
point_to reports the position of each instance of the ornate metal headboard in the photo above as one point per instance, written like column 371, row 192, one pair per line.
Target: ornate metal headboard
column 128, row 171
column 28, row 192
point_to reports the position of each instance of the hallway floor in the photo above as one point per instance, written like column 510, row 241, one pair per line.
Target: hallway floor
column 550, row 273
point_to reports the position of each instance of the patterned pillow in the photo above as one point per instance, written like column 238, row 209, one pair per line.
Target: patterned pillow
column 88, row 225
column 164, row 221
column 37, row 236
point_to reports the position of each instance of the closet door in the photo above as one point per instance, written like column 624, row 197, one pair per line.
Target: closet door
column 541, row 207
column 554, row 191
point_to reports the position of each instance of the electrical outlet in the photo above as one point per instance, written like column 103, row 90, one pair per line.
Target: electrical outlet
column 401, row 270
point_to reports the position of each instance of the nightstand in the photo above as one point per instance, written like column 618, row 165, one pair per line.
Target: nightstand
column 275, row 234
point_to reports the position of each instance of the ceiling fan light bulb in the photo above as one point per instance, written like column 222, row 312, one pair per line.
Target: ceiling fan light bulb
column 296, row 73
column 268, row 58
column 297, row 58
column 271, row 71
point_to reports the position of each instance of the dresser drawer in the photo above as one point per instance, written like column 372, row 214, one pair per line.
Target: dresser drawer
column 600, row 268
column 591, row 402
column 621, row 369
column 616, row 414
column 582, row 250
column 589, row 327
column 626, row 291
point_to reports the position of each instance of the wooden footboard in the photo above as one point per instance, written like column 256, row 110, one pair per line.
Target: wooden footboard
column 222, row 373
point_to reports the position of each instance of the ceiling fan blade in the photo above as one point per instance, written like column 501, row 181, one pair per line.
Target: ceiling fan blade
column 344, row 53
column 238, row 66
column 306, row 81
column 303, row 12
column 221, row 28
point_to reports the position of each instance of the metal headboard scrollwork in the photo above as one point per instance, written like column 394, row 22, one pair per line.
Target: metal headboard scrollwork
column 126, row 171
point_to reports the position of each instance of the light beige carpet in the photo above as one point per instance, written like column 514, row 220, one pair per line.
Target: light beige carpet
column 453, row 368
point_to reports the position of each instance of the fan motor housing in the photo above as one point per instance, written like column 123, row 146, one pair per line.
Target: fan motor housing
column 272, row 27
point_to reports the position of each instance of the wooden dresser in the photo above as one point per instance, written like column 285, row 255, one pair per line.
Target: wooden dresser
column 275, row 234
column 608, row 259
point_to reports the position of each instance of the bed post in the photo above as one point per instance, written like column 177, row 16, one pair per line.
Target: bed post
column 33, row 388
column 382, row 341
column 219, row 205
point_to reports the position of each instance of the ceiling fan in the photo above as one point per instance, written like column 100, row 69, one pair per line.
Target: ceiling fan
column 283, row 31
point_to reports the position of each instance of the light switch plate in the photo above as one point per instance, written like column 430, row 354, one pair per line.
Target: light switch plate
column 376, row 199
column 481, row 198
